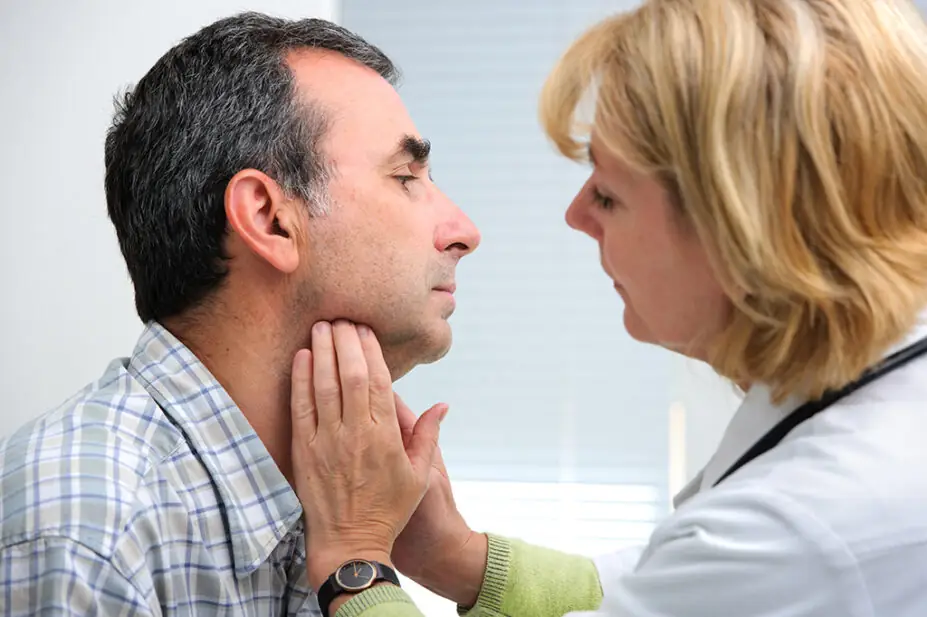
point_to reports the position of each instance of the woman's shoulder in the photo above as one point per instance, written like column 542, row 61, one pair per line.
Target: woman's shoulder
column 748, row 542
column 847, row 488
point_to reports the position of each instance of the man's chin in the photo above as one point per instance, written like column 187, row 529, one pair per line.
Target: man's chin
column 438, row 353
column 427, row 348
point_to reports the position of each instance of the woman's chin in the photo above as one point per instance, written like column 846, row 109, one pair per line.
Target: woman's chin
column 636, row 327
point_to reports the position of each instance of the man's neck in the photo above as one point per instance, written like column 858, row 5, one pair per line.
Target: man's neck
column 253, row 365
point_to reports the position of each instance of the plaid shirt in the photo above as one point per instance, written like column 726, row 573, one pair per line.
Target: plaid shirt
column 148, row 493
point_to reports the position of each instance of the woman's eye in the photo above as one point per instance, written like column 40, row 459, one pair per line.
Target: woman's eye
column 405, row 180
column 606, row 203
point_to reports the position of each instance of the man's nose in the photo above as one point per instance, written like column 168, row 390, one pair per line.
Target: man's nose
column 458, row 234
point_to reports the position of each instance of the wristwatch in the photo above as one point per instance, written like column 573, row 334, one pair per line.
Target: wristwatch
column 354, row 577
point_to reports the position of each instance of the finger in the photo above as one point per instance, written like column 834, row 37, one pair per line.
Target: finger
column 325, row 377
column 424, row 443
column 352, row 371
column 407, row 419
column 302, row 402
column 382, row 403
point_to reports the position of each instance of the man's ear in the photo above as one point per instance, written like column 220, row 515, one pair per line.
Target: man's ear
column 264, row 218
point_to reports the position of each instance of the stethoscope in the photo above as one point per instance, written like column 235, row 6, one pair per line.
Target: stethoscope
column 777, row 433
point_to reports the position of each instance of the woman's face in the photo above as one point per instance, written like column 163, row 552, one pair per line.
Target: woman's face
column 659, row 267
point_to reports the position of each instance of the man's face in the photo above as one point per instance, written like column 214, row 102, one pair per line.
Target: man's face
column 386, row 254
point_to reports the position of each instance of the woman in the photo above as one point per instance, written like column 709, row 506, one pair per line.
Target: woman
column 759, row 197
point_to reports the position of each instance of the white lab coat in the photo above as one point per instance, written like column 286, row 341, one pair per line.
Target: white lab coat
column 832, row 522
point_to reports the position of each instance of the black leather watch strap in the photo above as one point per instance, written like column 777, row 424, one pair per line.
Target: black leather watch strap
column 333, row 587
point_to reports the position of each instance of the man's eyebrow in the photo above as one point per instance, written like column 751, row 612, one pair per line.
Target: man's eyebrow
column 412, row 146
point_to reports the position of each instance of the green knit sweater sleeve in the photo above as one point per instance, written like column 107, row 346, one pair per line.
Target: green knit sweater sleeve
column 380, row 601
column 521, row 580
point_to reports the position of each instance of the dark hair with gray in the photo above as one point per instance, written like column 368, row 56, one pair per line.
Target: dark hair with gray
column 221, row 101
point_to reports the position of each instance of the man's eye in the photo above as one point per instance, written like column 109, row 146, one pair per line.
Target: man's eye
column 405, row 180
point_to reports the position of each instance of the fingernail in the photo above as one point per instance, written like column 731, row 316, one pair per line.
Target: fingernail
column 363, row 331
column 443, row 415
column 321, row 327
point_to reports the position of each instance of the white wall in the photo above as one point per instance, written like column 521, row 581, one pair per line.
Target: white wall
column 67, row 306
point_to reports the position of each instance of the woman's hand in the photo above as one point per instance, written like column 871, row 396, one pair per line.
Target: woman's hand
column 357, row 480
column 437, row 549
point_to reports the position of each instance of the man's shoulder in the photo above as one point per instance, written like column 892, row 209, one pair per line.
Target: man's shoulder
column 82, row 470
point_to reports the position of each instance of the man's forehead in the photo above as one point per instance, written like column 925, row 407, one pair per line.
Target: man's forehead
column 366, row 115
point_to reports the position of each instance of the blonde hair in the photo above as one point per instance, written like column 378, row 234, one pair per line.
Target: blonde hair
column 793, row 136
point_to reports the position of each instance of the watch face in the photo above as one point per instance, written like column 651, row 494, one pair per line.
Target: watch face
column 356, row 575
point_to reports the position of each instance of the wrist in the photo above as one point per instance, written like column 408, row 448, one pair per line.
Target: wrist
column 322, row 564
column 459, row 576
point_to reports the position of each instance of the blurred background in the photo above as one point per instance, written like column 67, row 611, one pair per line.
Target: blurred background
column 562, row 430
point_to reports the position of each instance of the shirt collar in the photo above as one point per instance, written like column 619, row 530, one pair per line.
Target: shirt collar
column 259, row 504
column 756, row 415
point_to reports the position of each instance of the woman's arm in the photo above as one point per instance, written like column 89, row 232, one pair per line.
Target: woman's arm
column 362, row 466
column 523, row 580
column 520, row 580
column 381, row 601
column 356, row 478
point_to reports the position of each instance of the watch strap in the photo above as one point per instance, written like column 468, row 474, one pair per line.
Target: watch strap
column 331, row 589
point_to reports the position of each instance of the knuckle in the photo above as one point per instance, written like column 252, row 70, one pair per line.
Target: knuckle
column 380, row 384
column 354, row 379
column 303, row 413
column 327, row 393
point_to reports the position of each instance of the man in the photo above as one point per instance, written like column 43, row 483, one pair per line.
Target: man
column 264, row 175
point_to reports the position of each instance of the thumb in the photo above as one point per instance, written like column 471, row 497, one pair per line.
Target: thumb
column 424, row 442
column 406, row 418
